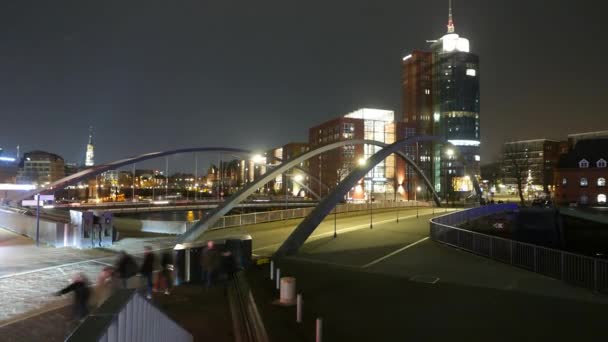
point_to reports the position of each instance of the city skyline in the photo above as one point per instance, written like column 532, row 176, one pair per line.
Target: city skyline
column 88, row 76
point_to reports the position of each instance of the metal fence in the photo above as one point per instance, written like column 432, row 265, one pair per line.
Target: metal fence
column 127, row 316
column 279, row 215
column 577, row 269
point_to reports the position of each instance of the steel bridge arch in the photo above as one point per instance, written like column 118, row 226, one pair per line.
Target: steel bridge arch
column 297, row 238
column 204, row 224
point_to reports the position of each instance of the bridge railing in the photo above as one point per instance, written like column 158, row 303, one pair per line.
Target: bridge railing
column 127, row 316
column 286, row 214
column 576, row 269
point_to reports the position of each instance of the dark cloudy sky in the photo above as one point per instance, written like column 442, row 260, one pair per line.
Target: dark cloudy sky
column 152, row 75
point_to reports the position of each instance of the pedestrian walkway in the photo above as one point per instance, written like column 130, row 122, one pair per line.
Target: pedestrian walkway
column 358, row 305
column 50, row 326
column 29, row 275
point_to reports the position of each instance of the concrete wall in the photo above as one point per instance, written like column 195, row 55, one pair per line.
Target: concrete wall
column 123, row 224
column 51, row 233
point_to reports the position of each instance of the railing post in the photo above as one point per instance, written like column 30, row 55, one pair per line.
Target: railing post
column 490, row 247
column 534, row 267
column 595, row 271
column 511, row 251
column 562, row 265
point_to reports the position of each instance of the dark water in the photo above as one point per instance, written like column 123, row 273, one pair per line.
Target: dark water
column 541, row 227
column 186, row 215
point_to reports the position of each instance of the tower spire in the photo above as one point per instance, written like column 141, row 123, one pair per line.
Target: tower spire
column 450, row 21
column 90, row 155
column 90, row 135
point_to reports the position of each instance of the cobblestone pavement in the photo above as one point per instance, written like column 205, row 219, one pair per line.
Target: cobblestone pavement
column 29, row 275
column 54, row 325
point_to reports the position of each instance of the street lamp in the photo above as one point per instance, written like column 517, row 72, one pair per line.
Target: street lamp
column 398, row 206
column 418, row 188
column 258, row 159
column 450, row 153
column 362, row 162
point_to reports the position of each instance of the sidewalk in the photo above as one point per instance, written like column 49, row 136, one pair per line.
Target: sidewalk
column 203, row 312
column 361, row 306
column 51, row 326
column 29, row 275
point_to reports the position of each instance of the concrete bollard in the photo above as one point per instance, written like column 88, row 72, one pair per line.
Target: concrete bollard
column 288, row 291
column 319, row 330
column 299, row 308
column 271, row 270
column 278, row 278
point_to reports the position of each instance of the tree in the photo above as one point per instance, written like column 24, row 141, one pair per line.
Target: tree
column 516, row 166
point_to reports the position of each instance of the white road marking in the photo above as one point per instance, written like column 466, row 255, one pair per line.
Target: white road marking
column 395, row 252
column 103, row 263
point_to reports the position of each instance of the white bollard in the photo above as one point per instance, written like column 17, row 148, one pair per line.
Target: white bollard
column 319, row 330
column 288, row 291
column 271, row 270
column 299, row 308
column 278, row 278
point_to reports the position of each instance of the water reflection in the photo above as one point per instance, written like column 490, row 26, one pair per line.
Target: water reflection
column 190, row 215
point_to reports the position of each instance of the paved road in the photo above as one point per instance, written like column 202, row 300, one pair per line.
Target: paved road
column 404, row 249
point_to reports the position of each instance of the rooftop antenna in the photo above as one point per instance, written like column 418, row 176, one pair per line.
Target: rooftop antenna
column 450, row 21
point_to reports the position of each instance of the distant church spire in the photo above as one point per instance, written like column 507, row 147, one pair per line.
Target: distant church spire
column 450, row 21
column 90, row 155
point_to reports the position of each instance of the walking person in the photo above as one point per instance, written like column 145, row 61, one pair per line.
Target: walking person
column 147, row 268
column 103, row 286
column 210, row 261
column 80, row 287
column 126, row 267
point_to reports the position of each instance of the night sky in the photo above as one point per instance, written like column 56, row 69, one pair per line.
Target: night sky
column 152, row 75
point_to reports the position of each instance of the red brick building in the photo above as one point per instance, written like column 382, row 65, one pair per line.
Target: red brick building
column 334, row 165
column 581, row 174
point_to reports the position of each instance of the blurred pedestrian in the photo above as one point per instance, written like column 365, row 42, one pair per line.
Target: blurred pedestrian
column 126, row 267
column 103, row 286
column 147, row 268
column 210, row 262
column 80, row 286
column 167, row 271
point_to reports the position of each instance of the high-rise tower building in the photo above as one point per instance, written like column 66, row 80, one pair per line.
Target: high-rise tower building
column 90, row 154
column 441, row 97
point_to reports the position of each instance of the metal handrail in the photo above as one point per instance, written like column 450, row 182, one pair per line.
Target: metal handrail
column 570, row 267
column 262, row 217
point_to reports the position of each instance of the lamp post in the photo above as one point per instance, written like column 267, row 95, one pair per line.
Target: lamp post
column 398, row 206
column 450, row 153
column 416, row 199
column 362, row 162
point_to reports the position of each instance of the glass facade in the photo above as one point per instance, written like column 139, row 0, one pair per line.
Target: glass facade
column 456, row 116
column 378, row 125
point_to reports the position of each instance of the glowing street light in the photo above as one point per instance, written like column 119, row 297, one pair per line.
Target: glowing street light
column 298, row 178
column 418, row 188
column 362, row 161
column 258, row 159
